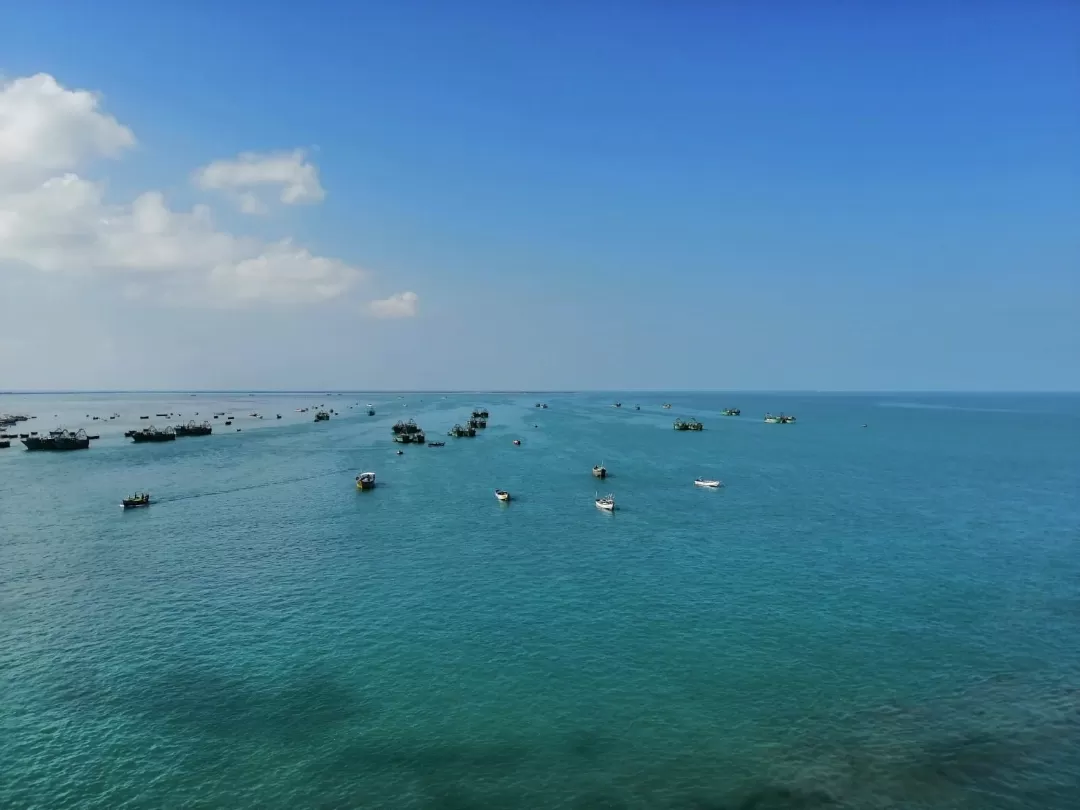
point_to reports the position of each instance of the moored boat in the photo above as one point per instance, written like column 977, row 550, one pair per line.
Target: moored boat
column 779, row 419
column 136, row 500
column 688, row 424
column 152, row 434
column 502, row 495
column 436, row 444
column 599, row 470
column 193, row 429
column 322, row 416
column 58, row 440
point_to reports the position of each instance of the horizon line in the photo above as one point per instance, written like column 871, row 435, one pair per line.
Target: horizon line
column 332, row 391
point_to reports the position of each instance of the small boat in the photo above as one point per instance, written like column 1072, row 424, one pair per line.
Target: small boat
column 5, row 444
column 436, row 444
column 322, row 416
column 399, row 453
column 279, row 416
column 617, row 405
column 502, row 495
column 711, row 483
column 136, row 500
column 731, row 412
column 606, row 503
column 370, row 411
column 637, row 407
column 600, row 471
column 365, row 480
column 666, row 405
column 517, row 442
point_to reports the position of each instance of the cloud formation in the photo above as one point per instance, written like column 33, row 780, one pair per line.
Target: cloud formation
column 54, row 220
column 246, row 178
column 45, row 128
column 401, row 305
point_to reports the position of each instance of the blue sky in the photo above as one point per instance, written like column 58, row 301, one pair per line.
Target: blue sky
column 820, row 195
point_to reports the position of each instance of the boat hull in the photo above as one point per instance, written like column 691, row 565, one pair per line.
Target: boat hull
column 56, row 446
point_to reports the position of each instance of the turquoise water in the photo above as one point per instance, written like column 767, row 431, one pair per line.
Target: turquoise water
column 879, row 617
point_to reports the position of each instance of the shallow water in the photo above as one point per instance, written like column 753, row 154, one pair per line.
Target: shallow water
column 878, row 617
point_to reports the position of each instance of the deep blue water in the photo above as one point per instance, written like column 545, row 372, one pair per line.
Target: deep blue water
column 864, row 618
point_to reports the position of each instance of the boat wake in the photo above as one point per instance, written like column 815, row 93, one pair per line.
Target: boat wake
column 246, row 488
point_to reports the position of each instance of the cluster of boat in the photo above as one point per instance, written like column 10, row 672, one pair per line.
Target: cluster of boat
column 779, row 419
column 58, row 439
column 688, row 424
column 408, row 432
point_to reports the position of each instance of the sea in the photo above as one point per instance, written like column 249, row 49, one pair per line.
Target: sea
column 879, row 610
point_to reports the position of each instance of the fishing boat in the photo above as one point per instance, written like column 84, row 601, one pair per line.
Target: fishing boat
column 58, row 439
column 478, row 423
column 710, row 483
column 688, row 424
column 152, row 434
column 193, row 429
column 502, row 495
column 606, row 503
column 666, row 405
column 136, row 500
column 600, row 471
column 365, row 480
column 480, row 413
column 5, row 444
column 459, row 432
column 731, row 412
column 322, row 416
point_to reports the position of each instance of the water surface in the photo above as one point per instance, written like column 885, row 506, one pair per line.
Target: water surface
column 864, row 617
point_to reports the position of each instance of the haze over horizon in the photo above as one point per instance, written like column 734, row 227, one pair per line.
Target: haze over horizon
column 570, row 197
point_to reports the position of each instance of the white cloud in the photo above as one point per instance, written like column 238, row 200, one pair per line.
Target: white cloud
column 56, row 221
column 45, row 128
column 400, row 305
column 251, row 173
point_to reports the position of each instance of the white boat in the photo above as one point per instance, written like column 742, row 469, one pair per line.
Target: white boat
column 711, row 483
column 502, row 495
column 607, row 503
column 365, row 480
